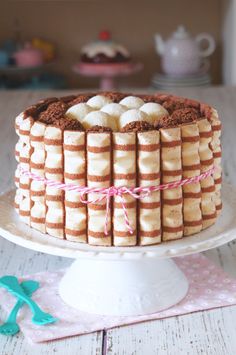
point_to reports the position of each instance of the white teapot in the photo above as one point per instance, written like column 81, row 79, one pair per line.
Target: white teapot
column 182, row 54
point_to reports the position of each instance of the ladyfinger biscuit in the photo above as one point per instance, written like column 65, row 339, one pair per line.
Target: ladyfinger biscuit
column 172, row 199
column 124, row 174
column 98, row 176
column 149, row 215
column 54, row 170
column 192, row 213
column 75, row 173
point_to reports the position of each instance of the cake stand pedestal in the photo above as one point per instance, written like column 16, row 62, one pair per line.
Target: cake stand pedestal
column 125, row 280
column 107, row 72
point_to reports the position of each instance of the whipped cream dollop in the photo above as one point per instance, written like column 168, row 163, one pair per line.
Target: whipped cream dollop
column 132, row 102
column 154, row 111
column 98, row 101
column 131, row 116
column 79, row 111
column 99, row 118
column 102, row 111
column 109, row 48
column 113, row 109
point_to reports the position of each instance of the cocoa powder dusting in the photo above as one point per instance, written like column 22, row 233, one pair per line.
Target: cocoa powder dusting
column 114, row 96
column 157, row 98
column 137, row 126
column 192, row 104
column 171, row 105
column 54, row 112
column 163, row 97
column 66, row 123
column 99, row 129
column 55, row 115
column 48, row 101
column 176, row 103
column 185, row 115
column 178, row 117
column 35, row 110
column 83, row 98
column 68, row 99
column 206, row 111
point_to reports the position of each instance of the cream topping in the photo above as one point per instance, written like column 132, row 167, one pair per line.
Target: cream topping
column 100, row 110
column 113, row 109
column 132, row 102
column 79, row 111
column 98, row 101
column 154, row 111
column 99, row 118
column 110, row 49
column 131, row 116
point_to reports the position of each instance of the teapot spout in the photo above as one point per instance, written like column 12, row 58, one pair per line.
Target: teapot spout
column 159, row 44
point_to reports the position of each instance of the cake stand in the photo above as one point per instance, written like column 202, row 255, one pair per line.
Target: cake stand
column 107, row 72
column 121, row 281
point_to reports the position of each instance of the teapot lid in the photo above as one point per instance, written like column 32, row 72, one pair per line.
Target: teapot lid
column 181, row 33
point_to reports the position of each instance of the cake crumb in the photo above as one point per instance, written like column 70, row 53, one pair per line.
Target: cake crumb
column 54, row 111
column 172, row 104
column 83, row 98
column 178, row 117
column 68, row 99
column 99, row 129
column 157, row 98
column 137, row 126
column 206, row 110
column 55, row 115
column 114, row 96
column 68, row 124
column 35, row 110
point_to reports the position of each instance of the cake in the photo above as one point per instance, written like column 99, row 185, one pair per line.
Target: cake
column 104, row 51
column 90, row 168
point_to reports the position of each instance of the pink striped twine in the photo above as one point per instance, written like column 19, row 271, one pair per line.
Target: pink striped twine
column 106, row 193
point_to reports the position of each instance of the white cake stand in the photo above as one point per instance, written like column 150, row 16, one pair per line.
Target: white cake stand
column 125, row 280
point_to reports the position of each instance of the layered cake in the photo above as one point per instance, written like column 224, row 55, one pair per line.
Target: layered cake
column 118, row 169
column 104, row 51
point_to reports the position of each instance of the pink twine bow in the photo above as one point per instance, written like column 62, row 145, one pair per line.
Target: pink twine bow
column 108, row 192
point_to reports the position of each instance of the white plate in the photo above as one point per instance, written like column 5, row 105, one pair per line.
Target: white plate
column 168, row 78
column 12, row 229
column 171, row 86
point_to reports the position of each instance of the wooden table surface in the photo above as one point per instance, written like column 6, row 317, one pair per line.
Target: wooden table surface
column 211, row 332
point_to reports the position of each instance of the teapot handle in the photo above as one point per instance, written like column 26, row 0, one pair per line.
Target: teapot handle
column 211, row 44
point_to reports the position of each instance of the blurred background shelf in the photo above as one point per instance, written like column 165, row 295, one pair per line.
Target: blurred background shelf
column 32, row 78
column 17, row 70
column 75, row 23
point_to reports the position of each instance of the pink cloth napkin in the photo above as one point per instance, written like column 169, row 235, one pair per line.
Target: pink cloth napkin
column 210, row 287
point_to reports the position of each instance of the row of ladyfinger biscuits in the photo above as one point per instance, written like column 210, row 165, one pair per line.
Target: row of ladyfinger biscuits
column 120, row 159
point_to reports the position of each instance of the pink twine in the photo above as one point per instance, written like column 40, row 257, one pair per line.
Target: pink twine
column 108, row 192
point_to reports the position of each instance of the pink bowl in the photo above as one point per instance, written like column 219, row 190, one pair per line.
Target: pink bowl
column 28, row 57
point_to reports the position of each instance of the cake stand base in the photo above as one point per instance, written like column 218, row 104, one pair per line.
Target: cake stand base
column 123, row 288
column 107, row 72
column 121, row 281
